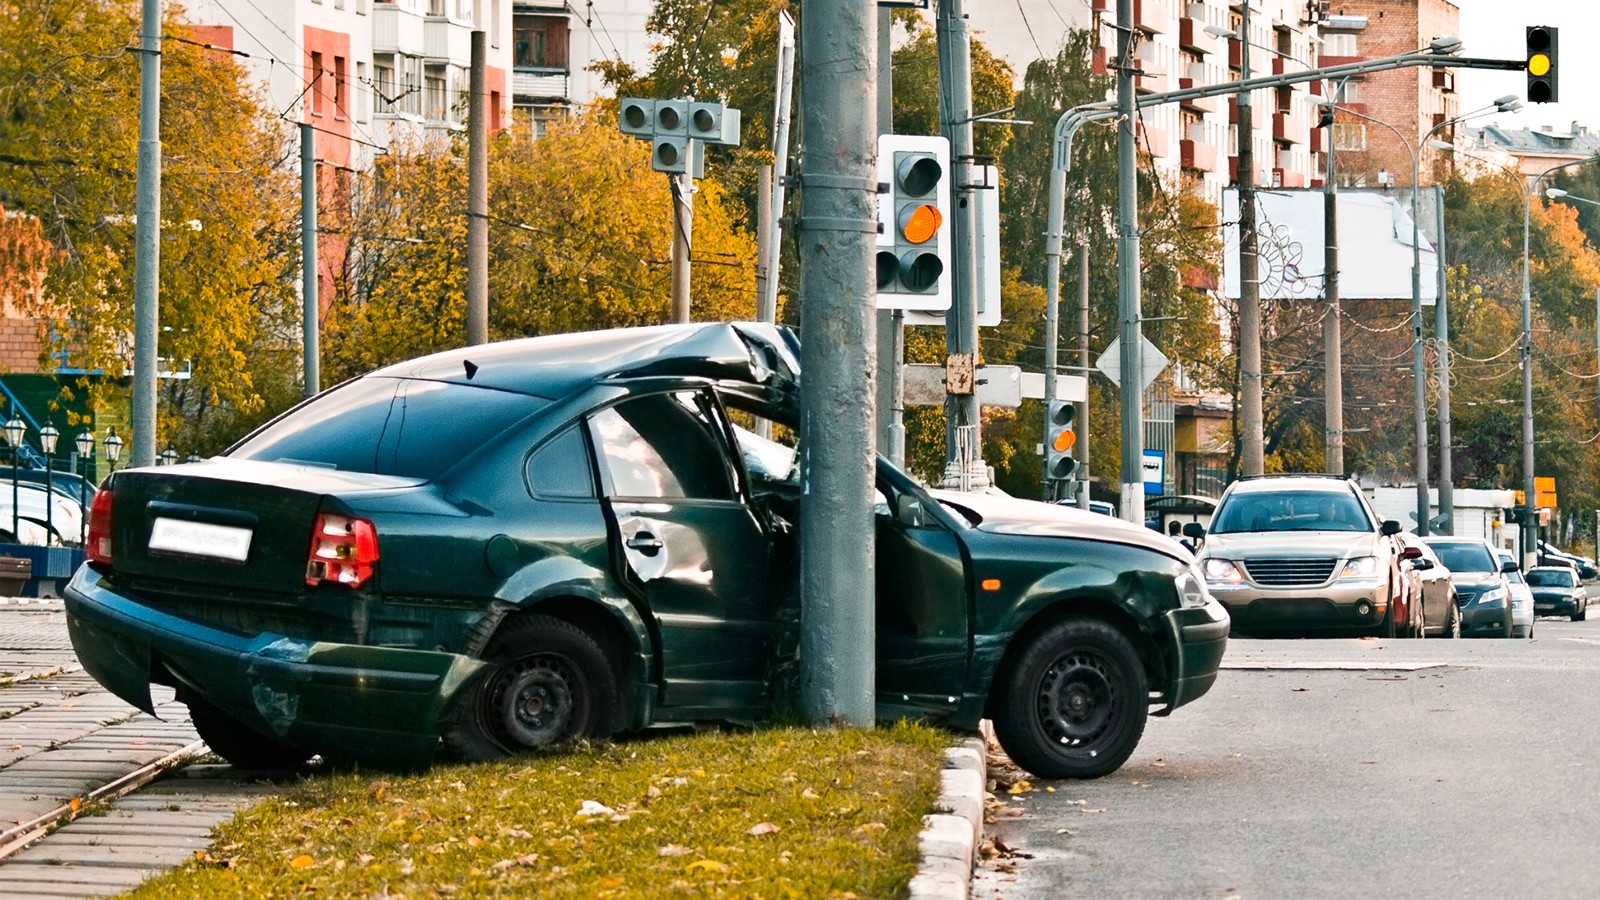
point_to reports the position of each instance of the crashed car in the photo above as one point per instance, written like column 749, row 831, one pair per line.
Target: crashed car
column 502, row 548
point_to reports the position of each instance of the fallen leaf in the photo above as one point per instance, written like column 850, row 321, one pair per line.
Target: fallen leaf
column 1020, row 787
column 809, row 794
column 672, row 850
column 705, row 865
column 871, row 828
column 610, row 882
column 762, row 828
column 303, row 861
column 474, row 841
column 595, row 808
column 76, row 804
column 525, row 860
column 516, row 833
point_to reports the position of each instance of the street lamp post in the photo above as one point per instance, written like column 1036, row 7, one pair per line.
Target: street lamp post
column 15, row 432
column 48, row 435
column 169, row 457
column 113, row 447
column 1419, row 376
column 85, row 444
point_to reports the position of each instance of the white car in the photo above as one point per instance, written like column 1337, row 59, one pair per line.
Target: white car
column 1521, row 600
column 65, row 516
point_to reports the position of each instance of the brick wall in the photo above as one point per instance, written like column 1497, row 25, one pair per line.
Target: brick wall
column 1404, row 98
column 20, row 343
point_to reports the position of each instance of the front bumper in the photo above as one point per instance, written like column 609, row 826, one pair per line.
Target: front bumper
column 1552, row 607
column 1485, row 619
column 381, row 705
column 1354, row 604
column 1199, row 639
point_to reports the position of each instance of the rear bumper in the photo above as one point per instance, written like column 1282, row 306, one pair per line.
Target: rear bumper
column 1200, row 638
column 383, row 705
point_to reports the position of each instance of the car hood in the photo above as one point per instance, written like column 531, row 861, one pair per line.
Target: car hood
column 1292, row 544
column 1475, row 581
column 1552, row 591
column 1002, row 514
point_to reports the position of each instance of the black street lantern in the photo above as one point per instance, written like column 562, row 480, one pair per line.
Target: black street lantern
column 113, row 447
column 85, row 443
column 48, row 435
column 15, row 430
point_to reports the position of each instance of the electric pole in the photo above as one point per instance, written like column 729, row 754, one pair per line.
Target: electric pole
column 1129, row 300
column 147, row 238
column 310, row 306
column 1252, row 452
column 964, row 468
column 478, row 194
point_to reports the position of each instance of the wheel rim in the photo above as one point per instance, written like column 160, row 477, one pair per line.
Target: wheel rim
column 532, row 700
column 1077, row 700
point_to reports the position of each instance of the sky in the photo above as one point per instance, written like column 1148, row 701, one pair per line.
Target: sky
column 1495, row 29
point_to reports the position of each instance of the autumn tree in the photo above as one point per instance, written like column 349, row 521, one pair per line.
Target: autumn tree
column 579, row 237
column 68, row 132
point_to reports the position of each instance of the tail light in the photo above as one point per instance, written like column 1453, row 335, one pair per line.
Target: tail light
column 343, row 549
column 99, row 547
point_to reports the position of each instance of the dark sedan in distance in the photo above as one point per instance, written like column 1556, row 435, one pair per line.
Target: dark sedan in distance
column 1481, row 587
column 1558, row 592
column 506, row 547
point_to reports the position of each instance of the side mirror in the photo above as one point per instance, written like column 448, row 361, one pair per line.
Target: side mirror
column 1411, row 553
column 1509, row 565
column 908, row 511
column 1419, row 564
column 1194, row 531
column 1390, row 527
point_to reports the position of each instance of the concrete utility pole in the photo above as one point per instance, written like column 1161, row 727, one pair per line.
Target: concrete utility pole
column 1441, row 334
column 310, row 306
column 682, row 224
column 891, row 322
column 1080, row 450
column 147, row 239
column 837, row 234
column 1129, row 299
column 767, row 302
column 1332, row 327
column 1252, row 459
column 478, row 194
column 964, row 466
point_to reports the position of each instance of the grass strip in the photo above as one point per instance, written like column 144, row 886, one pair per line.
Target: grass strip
column 782, row 812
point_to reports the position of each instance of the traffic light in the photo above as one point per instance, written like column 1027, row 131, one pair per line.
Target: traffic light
column 669, row 144
column 1059, row 439
column 1541, row 64
column 914, row 240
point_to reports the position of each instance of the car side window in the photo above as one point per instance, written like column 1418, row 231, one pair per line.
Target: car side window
column 665, row 446
column 559, row 469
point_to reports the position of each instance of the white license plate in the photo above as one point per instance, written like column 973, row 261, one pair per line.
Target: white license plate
column 200, row 539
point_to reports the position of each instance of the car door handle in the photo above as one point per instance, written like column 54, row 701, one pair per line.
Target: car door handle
column 645, row 543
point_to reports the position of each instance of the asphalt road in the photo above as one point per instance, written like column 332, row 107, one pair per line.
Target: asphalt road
column 1341, row 768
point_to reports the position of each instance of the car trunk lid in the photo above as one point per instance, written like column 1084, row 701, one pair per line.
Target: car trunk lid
column 227, row 523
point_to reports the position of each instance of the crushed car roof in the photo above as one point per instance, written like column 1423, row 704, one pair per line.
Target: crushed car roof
column 555, row 365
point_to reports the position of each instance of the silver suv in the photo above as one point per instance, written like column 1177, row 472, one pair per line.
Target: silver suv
column 1303, row 553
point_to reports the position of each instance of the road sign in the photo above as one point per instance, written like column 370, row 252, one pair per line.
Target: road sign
column 1153, row 361
column 996, row 385
column 1154, row 471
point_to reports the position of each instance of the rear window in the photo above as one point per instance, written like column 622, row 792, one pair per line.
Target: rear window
column 389, row 426
column 1467, row 557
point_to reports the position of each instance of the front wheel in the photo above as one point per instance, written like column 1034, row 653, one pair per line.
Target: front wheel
column 550, row 684
column 1075, row 702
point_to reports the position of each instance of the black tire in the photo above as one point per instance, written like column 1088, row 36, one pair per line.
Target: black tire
column 240, row 744
column 1386, row 628
column 1511, row 630
column 1581, row 614
column 1074, row 703
column 1419, row 618
column 550, row 684
column 1452, row 627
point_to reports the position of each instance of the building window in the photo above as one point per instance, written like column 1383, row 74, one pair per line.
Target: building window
column 540, row 42
column 360, row 96
column 1350, row 136
column 1339, row 43
column 341, row 108
column 435, row 99
column 316, row 84
column 384, row 88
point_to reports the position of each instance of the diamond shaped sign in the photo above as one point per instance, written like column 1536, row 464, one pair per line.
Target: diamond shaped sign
column 1151, row 358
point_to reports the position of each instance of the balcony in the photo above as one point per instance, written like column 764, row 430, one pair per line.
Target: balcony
column 1289, row 129
column 1288, row 178
column 1326, row 60
column 1192, row 36
column 1098, row 64
column 1444, row 80
column 539, row 84
column 1197, row 155
column 1154, row 140
column 1152, row 16
column 1151, row 81
column 1317, row 140
column 396, row 30
column 1200, row 105
column 446, row 42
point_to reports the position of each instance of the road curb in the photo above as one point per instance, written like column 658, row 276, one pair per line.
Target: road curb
column 949, row 839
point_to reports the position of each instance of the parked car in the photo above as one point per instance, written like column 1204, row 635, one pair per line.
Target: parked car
column 507, row 547
column 1557, row 592
column 1522, row 614
column 1550, row 555
column 1433, row 596
column 1303, row 553
column 1479, row 576
column 64, row 517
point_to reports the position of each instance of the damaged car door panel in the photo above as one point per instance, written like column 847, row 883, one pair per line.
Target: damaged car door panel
column 506, row 547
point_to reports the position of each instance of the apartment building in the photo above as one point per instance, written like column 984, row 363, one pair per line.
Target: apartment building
column 1530, row 151
column 364, row 72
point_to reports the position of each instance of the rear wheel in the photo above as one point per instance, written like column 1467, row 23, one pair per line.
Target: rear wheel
column 1452, row 628
column 240, row 744
column 1075, row 703
column 550, row 684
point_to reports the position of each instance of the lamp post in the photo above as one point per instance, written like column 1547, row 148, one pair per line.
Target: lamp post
column 169, row 457
column 85, row 443
column 1507, row 103
column 15, row 432
column 113, row 448
column 48, row 435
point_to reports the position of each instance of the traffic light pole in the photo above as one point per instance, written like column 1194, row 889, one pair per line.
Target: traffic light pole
column 1129, row 298
column 964, row 467
column 682, row 226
